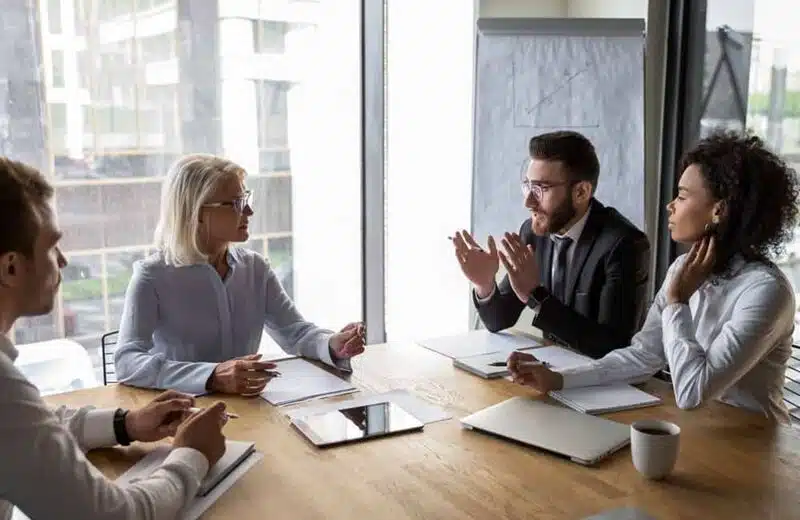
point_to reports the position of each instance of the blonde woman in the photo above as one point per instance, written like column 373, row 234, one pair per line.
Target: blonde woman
column 195, row 311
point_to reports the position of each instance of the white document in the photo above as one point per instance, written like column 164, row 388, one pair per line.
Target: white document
column 559, row 357
column 478, row 342
column 487, row 366
column 147, row 465
column 301, row 380
column 420, row 408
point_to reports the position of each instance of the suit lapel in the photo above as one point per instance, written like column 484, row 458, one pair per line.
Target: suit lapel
column 582, row 248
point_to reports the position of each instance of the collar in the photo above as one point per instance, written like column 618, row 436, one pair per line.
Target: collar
column 233, row 257
column 8, row 348
column 737, row 264
column 574, row 233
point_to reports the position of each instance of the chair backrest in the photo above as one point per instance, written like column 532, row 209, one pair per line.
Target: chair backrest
column 791, row 385
column 108, row 345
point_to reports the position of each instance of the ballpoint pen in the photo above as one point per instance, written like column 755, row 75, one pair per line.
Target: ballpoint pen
column 230, row 415
column 520, row 363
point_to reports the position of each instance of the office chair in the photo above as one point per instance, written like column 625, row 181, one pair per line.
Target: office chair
column 108, row 345
column 791, row 386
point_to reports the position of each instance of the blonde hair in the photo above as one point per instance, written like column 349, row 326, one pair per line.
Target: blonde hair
column 189, row 183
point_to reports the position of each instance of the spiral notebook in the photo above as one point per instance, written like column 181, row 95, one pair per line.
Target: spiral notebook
column 605, row 399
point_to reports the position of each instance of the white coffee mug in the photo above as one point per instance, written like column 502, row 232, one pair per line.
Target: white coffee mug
column 654, row 447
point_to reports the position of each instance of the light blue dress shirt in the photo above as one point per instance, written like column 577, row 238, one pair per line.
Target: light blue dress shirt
column 178, row 323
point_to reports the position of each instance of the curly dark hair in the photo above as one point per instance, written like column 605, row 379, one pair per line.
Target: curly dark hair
column 760, row 192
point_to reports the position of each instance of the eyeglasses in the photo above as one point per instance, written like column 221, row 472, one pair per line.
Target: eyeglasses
column 538, row 189
column 238, row 204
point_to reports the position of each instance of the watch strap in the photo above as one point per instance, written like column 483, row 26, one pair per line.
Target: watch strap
column 120, row 431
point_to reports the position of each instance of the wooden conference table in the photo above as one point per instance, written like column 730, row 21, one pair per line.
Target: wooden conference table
column 731, row 465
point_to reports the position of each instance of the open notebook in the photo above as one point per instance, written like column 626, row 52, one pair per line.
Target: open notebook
column 605, row 399
column 239, row 457
column 592, row 399
column 235, row 453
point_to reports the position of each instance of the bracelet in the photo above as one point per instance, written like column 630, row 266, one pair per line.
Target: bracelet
column 120, row 431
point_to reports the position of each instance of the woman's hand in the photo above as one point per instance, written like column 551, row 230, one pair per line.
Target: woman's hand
column 694, row 271
column 348, row 342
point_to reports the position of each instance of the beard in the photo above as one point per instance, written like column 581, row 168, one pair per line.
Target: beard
column 556, row 219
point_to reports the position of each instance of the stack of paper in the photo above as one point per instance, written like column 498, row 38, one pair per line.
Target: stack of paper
column 605, row 399
column 487, row 366
column 478, row 342
column 301, row 380
column 239, row 457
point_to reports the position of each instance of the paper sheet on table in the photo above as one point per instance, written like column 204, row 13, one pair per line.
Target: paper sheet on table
column 420, row 408
column 478, row 342
column 559, row 357
column 301, row 380
column 200, row 504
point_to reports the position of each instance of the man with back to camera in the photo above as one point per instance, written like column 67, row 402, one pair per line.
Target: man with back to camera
column 43, row 470
column 579, row 265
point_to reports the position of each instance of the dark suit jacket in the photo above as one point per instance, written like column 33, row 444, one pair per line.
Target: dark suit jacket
column 606, row 286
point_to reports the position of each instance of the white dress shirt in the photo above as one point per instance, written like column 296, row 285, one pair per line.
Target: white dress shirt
column 45, row 474
column 731, row 342
column 574, row 233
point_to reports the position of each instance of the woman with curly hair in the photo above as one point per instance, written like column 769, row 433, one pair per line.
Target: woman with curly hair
column 722, row 322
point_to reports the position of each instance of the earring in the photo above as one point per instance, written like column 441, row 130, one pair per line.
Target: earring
column 715, row 220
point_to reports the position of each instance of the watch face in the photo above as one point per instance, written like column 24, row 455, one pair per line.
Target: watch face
column 539, row 294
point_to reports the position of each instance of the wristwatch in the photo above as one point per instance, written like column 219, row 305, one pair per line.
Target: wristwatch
column 538, row 296
column 120, row 431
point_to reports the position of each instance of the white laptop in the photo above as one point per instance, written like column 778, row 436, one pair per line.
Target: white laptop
column 585, row 439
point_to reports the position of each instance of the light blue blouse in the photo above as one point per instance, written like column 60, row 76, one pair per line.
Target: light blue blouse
column 178, row 323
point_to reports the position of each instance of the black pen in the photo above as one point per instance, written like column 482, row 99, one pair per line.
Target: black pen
column 520, row 363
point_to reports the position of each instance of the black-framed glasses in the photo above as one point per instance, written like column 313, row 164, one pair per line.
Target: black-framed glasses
column 238, row 204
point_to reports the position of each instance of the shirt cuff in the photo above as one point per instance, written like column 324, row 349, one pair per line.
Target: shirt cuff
column 98, row 429
column 326, row 356
column 676, row 323
column 481, row 301
column 580, row 376
column 196, row 385
column 190, row 458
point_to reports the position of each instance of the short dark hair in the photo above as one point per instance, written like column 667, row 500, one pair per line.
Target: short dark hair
column 760, row 192
column 24, row 192
column 574, row 150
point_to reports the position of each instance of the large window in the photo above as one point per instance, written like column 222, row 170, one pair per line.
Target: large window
column 429, row 49
column 151, row 87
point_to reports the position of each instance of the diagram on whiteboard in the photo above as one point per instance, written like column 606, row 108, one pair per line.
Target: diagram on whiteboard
column 529, row 82
column 554, row 85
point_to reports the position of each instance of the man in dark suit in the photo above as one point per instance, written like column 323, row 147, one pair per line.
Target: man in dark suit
column 581, row 266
